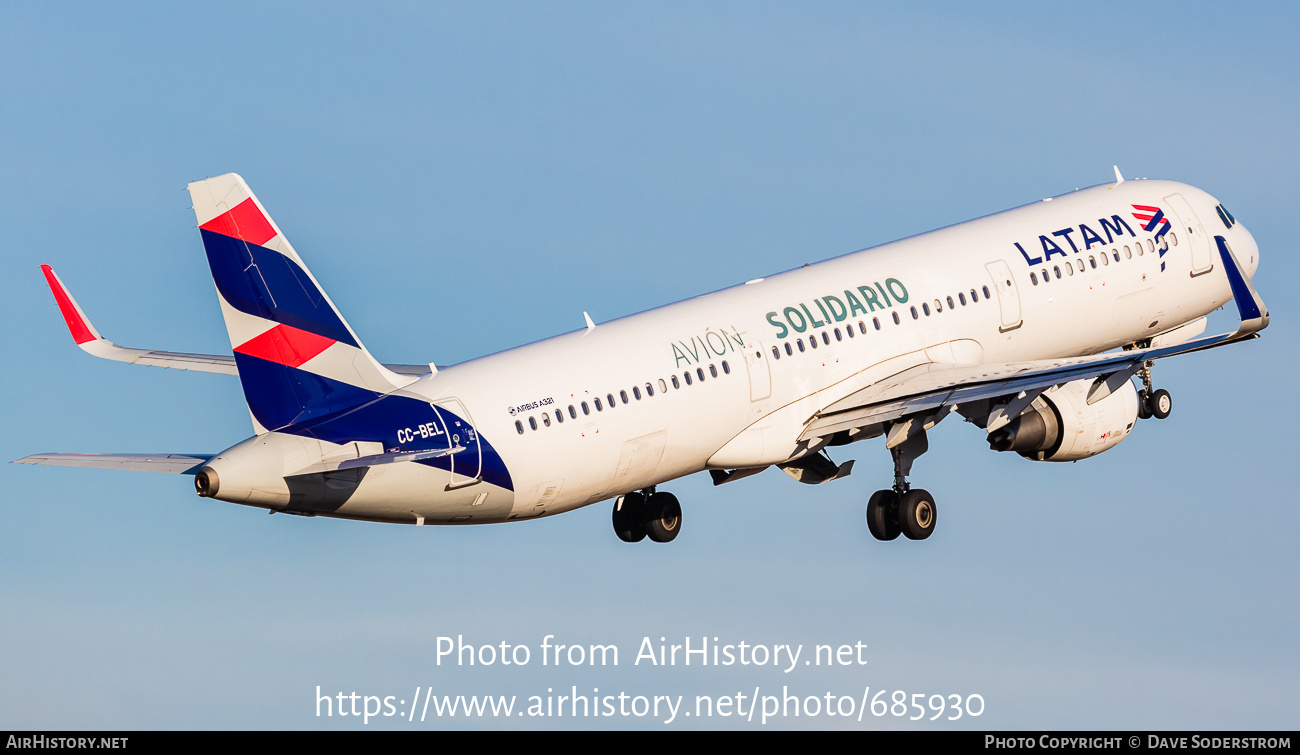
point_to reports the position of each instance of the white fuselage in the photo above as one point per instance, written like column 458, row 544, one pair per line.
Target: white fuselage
column 961, row 294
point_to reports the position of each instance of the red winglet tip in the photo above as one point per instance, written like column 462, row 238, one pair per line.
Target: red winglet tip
column 77, row 325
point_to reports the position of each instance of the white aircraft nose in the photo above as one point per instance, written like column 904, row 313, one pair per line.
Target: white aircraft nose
column 1249, row 254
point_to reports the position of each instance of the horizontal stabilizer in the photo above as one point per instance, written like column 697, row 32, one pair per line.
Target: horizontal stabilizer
column 168, row 463
column 374, row 459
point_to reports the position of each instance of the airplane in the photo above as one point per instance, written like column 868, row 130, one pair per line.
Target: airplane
column 1031, row 324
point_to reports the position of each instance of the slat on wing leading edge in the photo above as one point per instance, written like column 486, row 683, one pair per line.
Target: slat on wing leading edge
column 930, row 387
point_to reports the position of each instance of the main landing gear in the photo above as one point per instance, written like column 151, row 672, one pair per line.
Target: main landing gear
column 1152, row 403
column 903, row 510
column 647, row 513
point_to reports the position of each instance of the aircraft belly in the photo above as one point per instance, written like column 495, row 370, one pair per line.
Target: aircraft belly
column 407, row 491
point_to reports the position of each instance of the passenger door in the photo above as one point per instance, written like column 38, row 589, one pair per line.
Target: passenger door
column 1008, row 296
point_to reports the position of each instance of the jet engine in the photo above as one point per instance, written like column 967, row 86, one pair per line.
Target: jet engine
column 1061, row 426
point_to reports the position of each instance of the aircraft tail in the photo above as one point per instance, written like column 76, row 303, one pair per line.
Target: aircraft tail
column 298, row 359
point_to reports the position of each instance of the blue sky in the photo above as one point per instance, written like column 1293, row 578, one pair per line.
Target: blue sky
column 465, row 178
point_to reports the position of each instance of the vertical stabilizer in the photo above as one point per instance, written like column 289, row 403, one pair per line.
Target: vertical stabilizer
column 297, row 357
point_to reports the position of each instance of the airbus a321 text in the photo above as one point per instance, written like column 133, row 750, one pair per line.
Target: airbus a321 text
column 1032, row 324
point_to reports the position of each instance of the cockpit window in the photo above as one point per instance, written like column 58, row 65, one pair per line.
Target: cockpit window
column 1227, row 218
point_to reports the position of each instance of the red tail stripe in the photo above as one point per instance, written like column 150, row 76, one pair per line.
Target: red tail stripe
column 80, row 332
column 244, row 221
column 1148, row 208
column 284, row 345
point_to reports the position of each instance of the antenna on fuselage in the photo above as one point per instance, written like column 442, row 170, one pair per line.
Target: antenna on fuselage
column 1119, row 177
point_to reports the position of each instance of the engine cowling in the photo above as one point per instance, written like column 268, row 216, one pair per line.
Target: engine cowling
column 1061, row 426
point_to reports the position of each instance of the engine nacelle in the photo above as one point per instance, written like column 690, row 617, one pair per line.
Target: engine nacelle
column 1061, row 426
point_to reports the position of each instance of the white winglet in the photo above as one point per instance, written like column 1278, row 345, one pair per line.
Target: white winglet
column 90, row 341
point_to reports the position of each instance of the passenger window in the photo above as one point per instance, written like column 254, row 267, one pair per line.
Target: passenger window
column 1069, row 269
column 925, row 308
column 519, row 426
column 985, row 289
column 1046, row 277
column 532, row 422
column 699, row 373
column 1173, row 238
column 862, row 327
column 726, row 370
column 950, row 304
column 876, row 322
column 1105, row 260
column 799, row 342
column 1033, row 278
column 974, row 297
column 663, row 387
column 1151, row 245
column 812, row 341
column 1092, row 261
column 687, row 376
column 676, row 385
column 623, row 395
column 1081, row 265
column 573, row 413
column 1057, row 269
column 896, row 320
column 826, row 338
column 585, row 410
column 546, row 420
column 915, row 316
column 609, row 399
column 713, row 371
column 838, row 337
column 849, row 330
column 636, row 392
column 1128, row 255
column 938, row 306
column 962, row 298
column 788, row 350
column 598, row 405
column 559, row 415
column 776, row 353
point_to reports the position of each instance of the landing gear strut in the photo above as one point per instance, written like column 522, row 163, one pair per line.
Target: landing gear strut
column 1152, row 403
column 647, row 513
column 904, row 510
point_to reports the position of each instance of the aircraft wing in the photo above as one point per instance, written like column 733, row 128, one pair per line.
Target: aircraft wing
column 168, row 463
column 932, row 388
column 90, row 341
